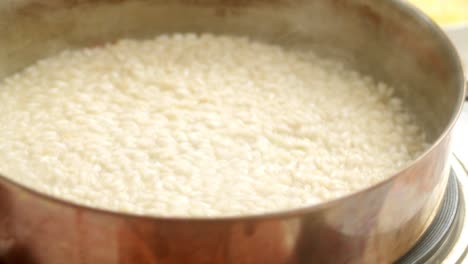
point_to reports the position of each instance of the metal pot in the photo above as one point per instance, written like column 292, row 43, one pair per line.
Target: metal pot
column 387, row 39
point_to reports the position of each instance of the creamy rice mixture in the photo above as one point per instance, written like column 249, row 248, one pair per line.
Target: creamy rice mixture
column 200, row 125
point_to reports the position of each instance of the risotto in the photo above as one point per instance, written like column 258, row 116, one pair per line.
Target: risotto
column 200, row 125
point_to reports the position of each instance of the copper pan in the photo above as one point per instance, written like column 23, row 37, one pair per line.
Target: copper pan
column 387, row 39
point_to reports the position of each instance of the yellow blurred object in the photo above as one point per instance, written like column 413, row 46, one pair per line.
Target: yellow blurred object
column 444, row 12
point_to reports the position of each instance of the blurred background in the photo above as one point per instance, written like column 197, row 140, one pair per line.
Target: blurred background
column 445, row 12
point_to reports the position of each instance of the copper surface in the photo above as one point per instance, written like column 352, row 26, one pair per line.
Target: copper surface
column 387, row 39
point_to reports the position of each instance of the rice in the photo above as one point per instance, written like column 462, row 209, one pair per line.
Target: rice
column 200, row 125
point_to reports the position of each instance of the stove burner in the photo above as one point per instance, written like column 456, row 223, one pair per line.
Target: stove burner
column 440, row 232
